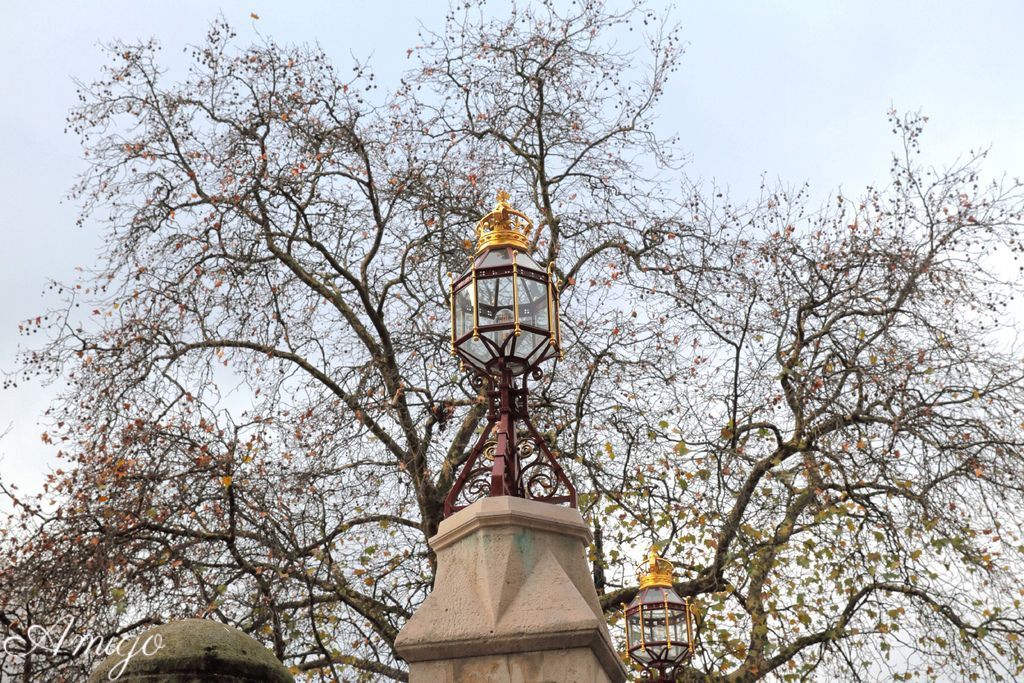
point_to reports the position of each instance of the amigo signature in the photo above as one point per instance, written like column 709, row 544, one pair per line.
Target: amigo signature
column 58, row 639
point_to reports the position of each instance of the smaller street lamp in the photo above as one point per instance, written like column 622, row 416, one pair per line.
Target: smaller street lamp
column 504, row 325
column 659, row 624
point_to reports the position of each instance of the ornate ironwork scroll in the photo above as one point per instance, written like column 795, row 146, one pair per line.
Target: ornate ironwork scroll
column 511, row 458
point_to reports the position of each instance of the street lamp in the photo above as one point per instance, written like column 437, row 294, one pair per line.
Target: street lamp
column 504, row 324
column 659, row 624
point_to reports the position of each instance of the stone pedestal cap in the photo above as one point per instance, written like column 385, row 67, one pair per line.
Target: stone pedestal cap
column 191, row 651
column 512, row 582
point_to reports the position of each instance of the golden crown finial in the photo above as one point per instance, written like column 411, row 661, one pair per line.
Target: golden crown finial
column 656, row 572
column 503, row 227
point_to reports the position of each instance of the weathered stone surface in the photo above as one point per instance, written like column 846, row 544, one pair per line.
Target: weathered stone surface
column 196, row 650
column 513, row 600
column 577, row 665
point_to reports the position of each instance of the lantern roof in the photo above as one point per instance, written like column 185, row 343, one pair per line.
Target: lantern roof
column 504, row 226
column 656, row 572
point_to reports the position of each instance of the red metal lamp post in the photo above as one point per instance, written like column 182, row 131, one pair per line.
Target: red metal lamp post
column 659, row 624
column 504, row 324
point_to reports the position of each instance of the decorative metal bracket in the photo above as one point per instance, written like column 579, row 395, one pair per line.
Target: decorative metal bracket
column 510, row 458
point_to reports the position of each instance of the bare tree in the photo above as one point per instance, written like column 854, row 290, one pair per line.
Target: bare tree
column 808, row 409
column 850, row 431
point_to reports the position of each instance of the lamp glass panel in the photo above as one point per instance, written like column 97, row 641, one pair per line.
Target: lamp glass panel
column 477, row 350
column 487, row 293
column 530, row 345
column 677, row 625
column 524, row 260
column 633, row 628
column 500, row 337
column 463, row 323
column 496, row 308
column 642, row 655
column 464, row 311
column 654, row 624
column 533, row 303
column 676, row 653
column 504, row 294
column 495, row 300
column 496, row 257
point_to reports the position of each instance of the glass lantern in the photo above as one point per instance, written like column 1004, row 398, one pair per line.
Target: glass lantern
column 505, row 306
column 504, row 325
column 659, row 624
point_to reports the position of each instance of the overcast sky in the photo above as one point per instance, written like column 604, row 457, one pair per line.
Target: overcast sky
column 794, row 90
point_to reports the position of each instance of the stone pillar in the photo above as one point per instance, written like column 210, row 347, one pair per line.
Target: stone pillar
column 191, row 651
column 513, row 601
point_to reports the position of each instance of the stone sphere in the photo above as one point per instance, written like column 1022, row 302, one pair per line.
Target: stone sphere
column 192, row 651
